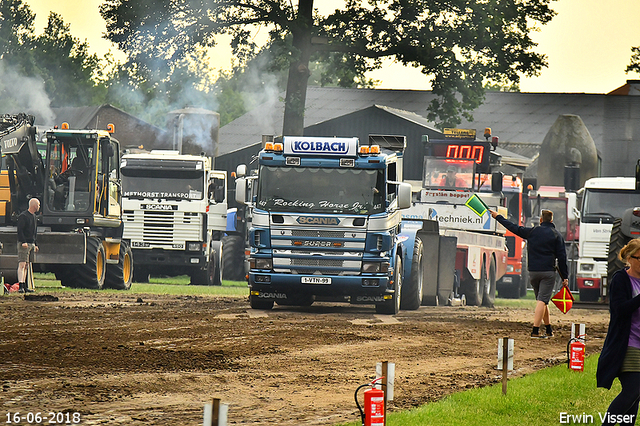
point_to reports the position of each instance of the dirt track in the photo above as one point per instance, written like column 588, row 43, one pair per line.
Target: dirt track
column 117, row 359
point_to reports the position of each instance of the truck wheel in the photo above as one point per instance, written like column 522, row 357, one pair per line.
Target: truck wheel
column 120, row 275
column 92, row 273
column 589, row 294
column 509, row 290
column 62, row 274
column 490, row 290
column 140, row 275
column 233, row 258
column 474, row 289
column 392, row 306
column 616, row 242
column 260, row 303
column 205, row 277
column 412, row 292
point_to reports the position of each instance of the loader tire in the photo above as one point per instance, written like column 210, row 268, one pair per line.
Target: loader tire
column 233, row 258
column 119, row 276
column 92, row 273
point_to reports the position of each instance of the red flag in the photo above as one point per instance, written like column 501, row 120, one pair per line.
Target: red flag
column 563, row 299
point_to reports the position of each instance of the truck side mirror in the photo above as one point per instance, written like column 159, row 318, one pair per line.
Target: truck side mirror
column 241, row 190
column 404, row 195
column 573, row 213
column 241, row 170
column 496, row 181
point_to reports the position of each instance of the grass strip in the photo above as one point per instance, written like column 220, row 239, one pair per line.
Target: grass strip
column 552, row 396
column 165, row 285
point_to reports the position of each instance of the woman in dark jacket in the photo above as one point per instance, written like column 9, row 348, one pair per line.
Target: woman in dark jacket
column 620, row 356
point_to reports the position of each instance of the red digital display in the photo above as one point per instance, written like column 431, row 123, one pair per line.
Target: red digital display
column 478, row 151
column 466, row 152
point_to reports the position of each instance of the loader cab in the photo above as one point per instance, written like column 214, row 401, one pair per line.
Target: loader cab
column 82, row 177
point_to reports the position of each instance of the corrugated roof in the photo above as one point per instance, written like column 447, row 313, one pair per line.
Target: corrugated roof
column 513, row 117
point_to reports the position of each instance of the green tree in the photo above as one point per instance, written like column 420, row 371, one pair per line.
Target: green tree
column 16, row 32
column 458, row 44
column 72, row 75
column 635, row 60
column 53, row 68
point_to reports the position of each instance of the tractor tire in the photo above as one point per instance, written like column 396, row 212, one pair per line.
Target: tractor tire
column 392, row 306
column 413, row 291
column 233, row 258
column 616, row 242
column 92, row 273
column 120, row 275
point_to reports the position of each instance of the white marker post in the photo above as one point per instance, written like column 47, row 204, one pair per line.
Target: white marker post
column 215, row 414
column 505, row 358
column 387, row 371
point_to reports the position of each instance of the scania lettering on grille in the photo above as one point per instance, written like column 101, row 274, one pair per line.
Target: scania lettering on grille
column 158, row 207
column 318, row 220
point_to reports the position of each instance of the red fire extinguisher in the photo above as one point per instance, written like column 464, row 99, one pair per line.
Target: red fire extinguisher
column 575, row 353
column 373, row 413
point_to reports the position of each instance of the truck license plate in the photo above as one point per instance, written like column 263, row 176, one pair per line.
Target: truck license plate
column 316, row 280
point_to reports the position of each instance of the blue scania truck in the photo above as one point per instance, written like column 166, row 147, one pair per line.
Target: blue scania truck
column 326, row 224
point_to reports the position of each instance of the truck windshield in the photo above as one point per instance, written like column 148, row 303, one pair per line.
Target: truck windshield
column 448, row 174
column 166, row 184
column 307, row 189
column 607, row 205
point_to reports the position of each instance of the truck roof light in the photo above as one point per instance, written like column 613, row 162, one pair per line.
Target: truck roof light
column 64, row 126
column 278, row 147
column 374, row 149
column 364, row 150
column 111, row 128
column 268, row 146
column 487, row 132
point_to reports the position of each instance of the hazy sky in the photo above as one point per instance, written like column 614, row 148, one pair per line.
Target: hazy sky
column 588, row 44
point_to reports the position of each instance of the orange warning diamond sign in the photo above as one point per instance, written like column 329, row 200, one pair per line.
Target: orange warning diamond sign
column 563, row 299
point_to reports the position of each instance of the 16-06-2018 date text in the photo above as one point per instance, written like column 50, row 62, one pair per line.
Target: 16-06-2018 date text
column 47, row 418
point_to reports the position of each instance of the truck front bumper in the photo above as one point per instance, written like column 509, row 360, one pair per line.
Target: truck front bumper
column 166, row 261
column 360, row 289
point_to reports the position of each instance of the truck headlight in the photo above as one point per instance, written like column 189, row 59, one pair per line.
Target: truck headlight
column 510, row 268
column 587, row 267
column 260, row 263
column 375, row 267
column 194, row 246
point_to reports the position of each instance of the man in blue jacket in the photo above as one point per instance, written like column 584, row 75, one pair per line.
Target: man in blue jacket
column 545, row 245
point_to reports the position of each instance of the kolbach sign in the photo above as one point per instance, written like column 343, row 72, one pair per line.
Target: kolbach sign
column 320, row 146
